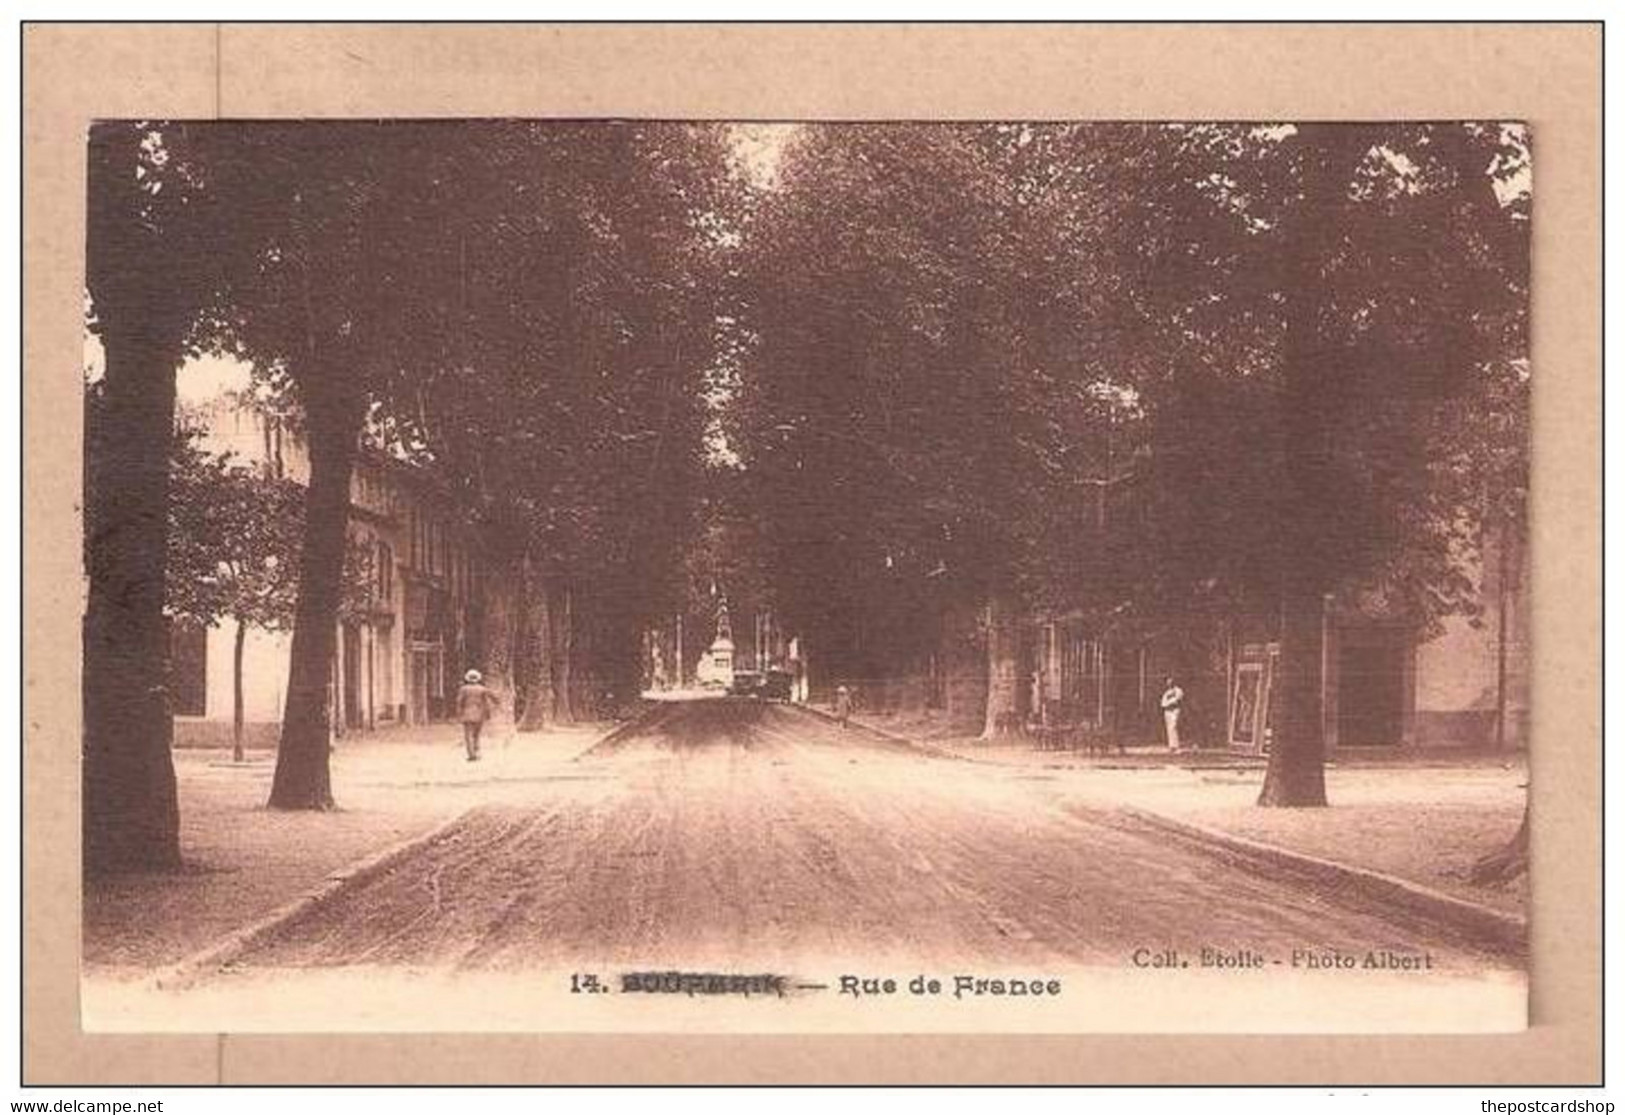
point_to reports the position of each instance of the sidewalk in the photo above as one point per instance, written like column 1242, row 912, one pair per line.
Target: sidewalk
column 244, row 860
column 946, row 737
column 1427, row 825
column 1424, row 817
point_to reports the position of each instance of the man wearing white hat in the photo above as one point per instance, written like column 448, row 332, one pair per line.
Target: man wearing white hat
column 475, row 705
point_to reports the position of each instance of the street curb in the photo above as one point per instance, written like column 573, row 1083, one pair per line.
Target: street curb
column 1482, row 924
column 218, row 955
column 993, row 760
column 1503, row 931
column 889, row 737
column 638, row 723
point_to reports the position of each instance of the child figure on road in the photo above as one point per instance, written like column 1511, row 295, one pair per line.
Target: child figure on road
column 843, row 704
column 475, row 705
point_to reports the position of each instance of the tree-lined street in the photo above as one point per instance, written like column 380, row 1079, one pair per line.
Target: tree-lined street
column 983, row 420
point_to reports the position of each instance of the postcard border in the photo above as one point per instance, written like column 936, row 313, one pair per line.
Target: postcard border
column 1547, row 74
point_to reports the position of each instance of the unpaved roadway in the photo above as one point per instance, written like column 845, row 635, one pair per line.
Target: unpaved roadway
column 736, row 833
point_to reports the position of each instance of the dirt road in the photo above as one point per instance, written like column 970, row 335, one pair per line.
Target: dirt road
column 735, row 833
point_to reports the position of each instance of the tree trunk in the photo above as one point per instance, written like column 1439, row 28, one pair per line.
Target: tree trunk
column 1296, row 775
column 131, row 819
column 237, row 692
column 539, row 672
column 963, row 668
column 1503, row 596
column 562, row 646
column 616, row 676
column 1003, row 684
column 677, row 654
column 504, row 621
column 303, row 779
column 1505, row 864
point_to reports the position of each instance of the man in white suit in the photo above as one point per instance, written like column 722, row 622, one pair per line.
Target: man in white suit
column 1172, row 698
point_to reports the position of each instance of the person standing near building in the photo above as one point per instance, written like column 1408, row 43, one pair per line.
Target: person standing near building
column 475, row 705
column 1172, row 698
column 843, row 704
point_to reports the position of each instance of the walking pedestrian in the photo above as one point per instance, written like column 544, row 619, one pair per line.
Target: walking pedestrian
column 475, row 705
column 843, row 704
column 1172, row 698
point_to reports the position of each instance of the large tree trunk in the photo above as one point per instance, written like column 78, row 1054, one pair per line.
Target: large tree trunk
column 562, row 647
column 504, row 624
column 130, row 817
column 303, row 779
column 1003, row 683
column 963, row 664
column 614, row 656
column 237, row 692
column 539, row 666
column 1296, row 775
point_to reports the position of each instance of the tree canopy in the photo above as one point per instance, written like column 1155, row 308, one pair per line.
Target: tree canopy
column 1145, row 371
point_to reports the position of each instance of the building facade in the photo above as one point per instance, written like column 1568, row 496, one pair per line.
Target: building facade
column 400, row 648
column 1385, row 681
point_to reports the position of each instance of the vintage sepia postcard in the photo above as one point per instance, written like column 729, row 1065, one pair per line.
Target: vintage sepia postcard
column 688, row 575
column 702, row 574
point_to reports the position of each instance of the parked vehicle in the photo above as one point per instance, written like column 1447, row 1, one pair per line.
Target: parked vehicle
column 777, row 685
column 746, row 683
